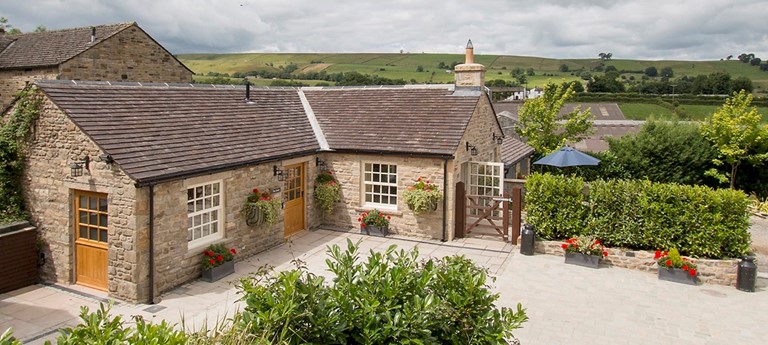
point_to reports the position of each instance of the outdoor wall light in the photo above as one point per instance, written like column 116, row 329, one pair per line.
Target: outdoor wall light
column 499, row 139
column 106, row 158
column 472, row 149
column 76, row 167
column 278, row 172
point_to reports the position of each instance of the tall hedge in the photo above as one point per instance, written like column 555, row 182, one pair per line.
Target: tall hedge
column 635, row 214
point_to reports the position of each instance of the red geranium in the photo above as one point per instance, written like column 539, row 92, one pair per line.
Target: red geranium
column 216, row 255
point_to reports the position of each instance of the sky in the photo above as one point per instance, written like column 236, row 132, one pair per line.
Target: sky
column 629, row 29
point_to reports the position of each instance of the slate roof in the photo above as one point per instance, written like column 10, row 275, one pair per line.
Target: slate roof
column 419, row 121
column 162, row 132
column 514, row 150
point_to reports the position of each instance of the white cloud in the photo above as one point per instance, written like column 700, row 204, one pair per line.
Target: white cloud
column 634, row 29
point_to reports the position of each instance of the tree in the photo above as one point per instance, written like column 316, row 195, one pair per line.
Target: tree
column 756, row 61
column 530, row 72
column 564, row 68
column 542, row 125
column 610, row 68
column 741, row 83
column 745, row 58
column 607, row 83
column 651, row 71
column 735, row 130
column 419, row 68
column 41, row 28
column 8, row 27
column 667, row 72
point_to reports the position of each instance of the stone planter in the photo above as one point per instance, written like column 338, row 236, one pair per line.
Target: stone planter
column 591, row 261
column 218, row 272
column 677, row 275
column 373, row 230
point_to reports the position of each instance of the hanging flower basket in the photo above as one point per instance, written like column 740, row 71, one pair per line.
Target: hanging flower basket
column 261, row 209
column 422, row 196
column 327, row 191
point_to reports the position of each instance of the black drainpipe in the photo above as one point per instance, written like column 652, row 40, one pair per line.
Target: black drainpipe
column 151, row 244
column 445, row 197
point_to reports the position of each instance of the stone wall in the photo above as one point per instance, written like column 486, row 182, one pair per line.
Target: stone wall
column 130, row 55
column 13, row 81
column 348, row 169
column 721, row 272
column 49, row 192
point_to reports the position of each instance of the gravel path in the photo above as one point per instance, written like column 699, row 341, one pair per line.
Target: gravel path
column 759, row 231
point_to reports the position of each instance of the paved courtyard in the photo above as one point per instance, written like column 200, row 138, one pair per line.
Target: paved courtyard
column 566, row 304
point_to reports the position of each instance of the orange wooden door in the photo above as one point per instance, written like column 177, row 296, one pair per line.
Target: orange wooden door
column 294, row 199
column 91, row 222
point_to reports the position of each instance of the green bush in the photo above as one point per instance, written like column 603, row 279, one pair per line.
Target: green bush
column 392, row 297
column 6, row 338
column 554, row 205
column 697, row 220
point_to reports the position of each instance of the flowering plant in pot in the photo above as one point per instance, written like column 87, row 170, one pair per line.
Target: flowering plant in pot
column 422, row 196
column 217, row 262
column 584, row 251
column 374, row 223
column 673, row 267
column 260, row 208
column 327, row 191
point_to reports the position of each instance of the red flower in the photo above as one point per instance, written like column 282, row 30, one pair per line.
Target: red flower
column 211, row 261
column 388, row 217
column 685, row 267
column 419, row 179
column 233, row 251
column 657, row 255
column 597, row 241
column 330, row 172
column 209, row 253
column 692, row 272
column 427, row 181
column 605, row 253
column 220, row 258
column 668, row 263
column 359, row 219
column 255, row 191
column 565, row 246
column 362, row 225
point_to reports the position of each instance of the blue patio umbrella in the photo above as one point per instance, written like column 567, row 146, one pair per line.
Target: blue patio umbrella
column 567, row 157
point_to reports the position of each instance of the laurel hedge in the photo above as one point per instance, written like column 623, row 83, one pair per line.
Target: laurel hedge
column 636, row 214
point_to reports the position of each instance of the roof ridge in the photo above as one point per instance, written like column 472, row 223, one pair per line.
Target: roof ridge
column 126, row 24
column 382, row 87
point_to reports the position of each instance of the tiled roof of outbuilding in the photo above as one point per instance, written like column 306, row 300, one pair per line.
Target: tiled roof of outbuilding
column 413, row 120
column 163, row 132
column 51, row 48
column 514, row 150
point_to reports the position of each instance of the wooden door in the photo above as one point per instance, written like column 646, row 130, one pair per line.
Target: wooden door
column 91, row 222
column 294, row 198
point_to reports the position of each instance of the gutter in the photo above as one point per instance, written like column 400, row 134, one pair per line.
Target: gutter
column 396, row 153
column 445, row 198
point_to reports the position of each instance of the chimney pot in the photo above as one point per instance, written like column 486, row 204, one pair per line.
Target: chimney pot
column 470, row 55
column 93, row 34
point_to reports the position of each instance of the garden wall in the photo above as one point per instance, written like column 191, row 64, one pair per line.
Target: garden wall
column 721, row 272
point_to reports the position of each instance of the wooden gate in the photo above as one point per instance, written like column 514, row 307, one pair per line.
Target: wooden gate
column 481, row 206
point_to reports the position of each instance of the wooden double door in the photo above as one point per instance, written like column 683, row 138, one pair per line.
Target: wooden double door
column 91, row 239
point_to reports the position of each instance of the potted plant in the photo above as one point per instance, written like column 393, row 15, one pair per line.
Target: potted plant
column 422, row 196
column 374, row 223
column 218, row 262
column 327, row 191
column 260, row 208
column 675, row 268
column 584, row 251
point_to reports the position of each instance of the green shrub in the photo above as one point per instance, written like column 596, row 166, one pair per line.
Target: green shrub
column 554, row 205
column 101, row 328
column 6, row 338
column 697, row 220
column 392, row 297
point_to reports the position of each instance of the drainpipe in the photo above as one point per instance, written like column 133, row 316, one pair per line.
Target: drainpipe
column 151, row 244
column 445, row 197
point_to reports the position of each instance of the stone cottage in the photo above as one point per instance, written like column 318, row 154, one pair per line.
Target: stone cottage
column 128, row 183
column 116, row 52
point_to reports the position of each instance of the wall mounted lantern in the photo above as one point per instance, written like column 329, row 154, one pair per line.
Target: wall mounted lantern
column 472, row 149
column 76, row 167
column 499, row 139
column 319, row 162
column 278, row 172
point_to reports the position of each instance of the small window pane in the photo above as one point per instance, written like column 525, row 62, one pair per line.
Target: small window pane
column 197, row 232
column 93, row 218
column 207, row 190
column 83, row 232
column 93, row 234
column 189, row 222
column 206, row 218
column 190, row 207
column 368, row 188
column 83, row 202
column 189, row 235
column 392, row 178
column 199, row 205
column 214, row 215
column 207, row 203
column 393, row 200
column 198, row 192
column 377, row 198
column 215, row 188
column 103, row 236
column 206, row 229
column 190, row 194
column 103, row 220
column 377, row 189
column 376, row 168
column 93, row 203
column 216, row 201
column 198, row 220
column 384, row 168
column 214, row 227
column 393, row 169
column 83, row 217
column 393, row 190
column 102, row 205
column 368, row 198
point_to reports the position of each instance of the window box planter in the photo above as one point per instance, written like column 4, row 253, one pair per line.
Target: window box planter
column 677, row 275
column 215, row 273
column 373, row 230
column 591, row 261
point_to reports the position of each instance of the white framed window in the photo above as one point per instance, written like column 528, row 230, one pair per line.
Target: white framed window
column 380, row 185
column 204, row 213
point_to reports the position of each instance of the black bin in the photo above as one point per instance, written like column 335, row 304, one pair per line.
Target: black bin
column 526, row 242
column 746, row 274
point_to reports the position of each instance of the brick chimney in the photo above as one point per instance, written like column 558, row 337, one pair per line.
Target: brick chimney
column 470, row 73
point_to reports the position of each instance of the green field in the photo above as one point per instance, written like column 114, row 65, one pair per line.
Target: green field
column 403, row 66
column 644, row 111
